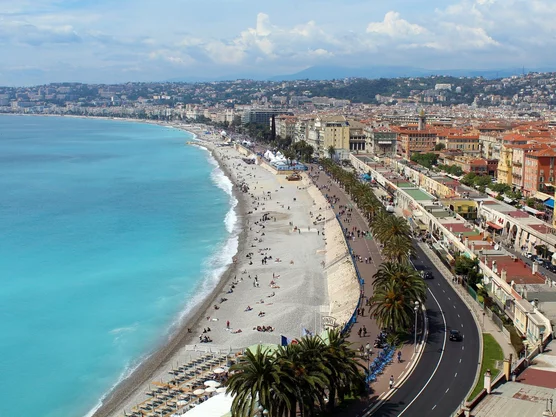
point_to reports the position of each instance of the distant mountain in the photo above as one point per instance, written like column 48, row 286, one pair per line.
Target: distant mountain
column 335, row 72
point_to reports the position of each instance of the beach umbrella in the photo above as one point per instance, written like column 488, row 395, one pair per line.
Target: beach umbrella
column 199, row 391
column 210, row 389
column 219, row 371
column 212, row 384
column 221, row 390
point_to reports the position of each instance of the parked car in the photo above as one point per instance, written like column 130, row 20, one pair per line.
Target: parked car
column 455, row 336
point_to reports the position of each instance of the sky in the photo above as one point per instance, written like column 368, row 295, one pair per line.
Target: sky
column 113, row 41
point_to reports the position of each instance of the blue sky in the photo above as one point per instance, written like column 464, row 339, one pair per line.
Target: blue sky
column 151, row 40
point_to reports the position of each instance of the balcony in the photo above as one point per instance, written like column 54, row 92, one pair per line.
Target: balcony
column 518, row 164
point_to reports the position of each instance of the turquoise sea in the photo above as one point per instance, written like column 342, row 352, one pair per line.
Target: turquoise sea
column 109, row 232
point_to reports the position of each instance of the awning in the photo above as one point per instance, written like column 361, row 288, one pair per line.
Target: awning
column 532, row 210
column 541, row 196
column 549, row 203
column 494, row 226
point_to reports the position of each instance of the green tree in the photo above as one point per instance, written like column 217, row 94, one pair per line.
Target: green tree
column 385, row 227
column 392, row 307
column 439, row 147
column 469, row 179
column 255, row 380
column 398, row 248
column 331, row 151
column 406, row 279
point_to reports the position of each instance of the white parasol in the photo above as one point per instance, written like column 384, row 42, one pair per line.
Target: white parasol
column 212, row 384
column 219, row 371
column 199, row 391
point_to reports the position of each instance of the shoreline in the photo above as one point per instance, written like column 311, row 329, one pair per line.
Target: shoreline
column 308, row 291
column 116, row 398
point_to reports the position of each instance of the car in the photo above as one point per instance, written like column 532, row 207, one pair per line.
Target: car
column 455, row 336
column 426, row 275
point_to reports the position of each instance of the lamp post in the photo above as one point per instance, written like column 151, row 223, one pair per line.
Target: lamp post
column 416, row 308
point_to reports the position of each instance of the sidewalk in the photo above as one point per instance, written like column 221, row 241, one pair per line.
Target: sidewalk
column 367, row 248
column 485, row 323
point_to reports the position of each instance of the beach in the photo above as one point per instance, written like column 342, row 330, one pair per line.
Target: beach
column 278, row 284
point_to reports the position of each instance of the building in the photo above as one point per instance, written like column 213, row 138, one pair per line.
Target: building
column 539, row 171
column 261, row 116
column 285, row 126
column 357, row 136
column 330, row 132
column 468, row 144
column 411, row 141
column 381, row 141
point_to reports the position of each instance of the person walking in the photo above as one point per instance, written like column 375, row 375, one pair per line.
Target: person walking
column 364, row 329
column 227, row 324
column 399, row 356
column 360, row 331
column 391, row 382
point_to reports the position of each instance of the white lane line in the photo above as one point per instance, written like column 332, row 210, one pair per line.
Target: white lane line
column 449, row 299
column 459, row 316
column 463, row 347
column 456, row 375
column 439, row 360
column 434, row 407
column 443, row 291
column 454, row 306
column 462, row 325
column 460, row 361
column 447, row 390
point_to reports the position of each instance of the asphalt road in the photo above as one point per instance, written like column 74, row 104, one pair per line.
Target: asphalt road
column 447, row 369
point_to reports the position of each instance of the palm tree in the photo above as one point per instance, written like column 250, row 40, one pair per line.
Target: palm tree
column 255, row 380
column 393, row 307
column 386, row 226
column 405, row 279
column 344, row 370
column 331, row 151
column 398, row 248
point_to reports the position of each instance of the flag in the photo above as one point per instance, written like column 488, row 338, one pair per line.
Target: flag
column 284, row 341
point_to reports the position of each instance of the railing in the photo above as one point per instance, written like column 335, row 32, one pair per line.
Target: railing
column 353, row 318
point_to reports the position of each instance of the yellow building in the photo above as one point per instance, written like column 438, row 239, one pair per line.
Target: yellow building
column 505, row 165
column 332, row 131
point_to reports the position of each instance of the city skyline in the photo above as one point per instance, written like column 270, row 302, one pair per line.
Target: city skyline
column 83, row 41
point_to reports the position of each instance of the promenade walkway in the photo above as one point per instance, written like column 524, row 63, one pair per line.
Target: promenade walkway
column 367, row 248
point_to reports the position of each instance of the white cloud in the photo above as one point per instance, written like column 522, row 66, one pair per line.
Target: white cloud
column 395, row 27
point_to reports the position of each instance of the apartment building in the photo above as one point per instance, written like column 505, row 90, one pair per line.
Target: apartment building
column 285, row 126
column 381, row 141
column 539, row 171
column 411, row 141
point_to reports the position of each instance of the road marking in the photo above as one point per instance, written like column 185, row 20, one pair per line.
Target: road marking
column 449, row 299
column 447, row 390
column 439, row 360
column 455, row 376
column 460, row 361
column 443, row 291
column 461, row 324
column 459, row 315
column 455, row 307
column 434, row 407
column 463, row 347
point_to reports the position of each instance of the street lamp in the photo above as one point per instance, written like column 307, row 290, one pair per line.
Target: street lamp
column 416, row 308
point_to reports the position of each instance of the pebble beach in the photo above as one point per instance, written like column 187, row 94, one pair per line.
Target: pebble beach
column 291, row 271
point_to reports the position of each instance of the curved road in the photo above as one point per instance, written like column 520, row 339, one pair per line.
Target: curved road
column 447, row 369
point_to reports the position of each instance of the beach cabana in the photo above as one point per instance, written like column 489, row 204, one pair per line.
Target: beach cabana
column 216, row 406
